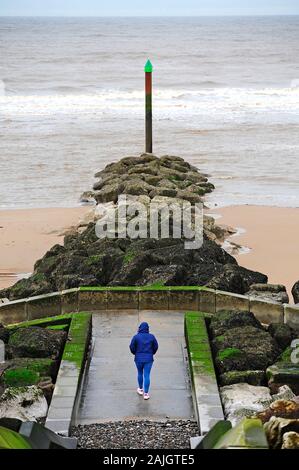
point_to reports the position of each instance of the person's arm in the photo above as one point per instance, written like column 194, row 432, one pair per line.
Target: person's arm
column 133, row 345
column 155, row 345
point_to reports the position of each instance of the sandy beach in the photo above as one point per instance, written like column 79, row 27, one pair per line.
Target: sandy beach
column 271, row 233
column 26, row 234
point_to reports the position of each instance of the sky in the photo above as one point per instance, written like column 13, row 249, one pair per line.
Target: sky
column 147, row 8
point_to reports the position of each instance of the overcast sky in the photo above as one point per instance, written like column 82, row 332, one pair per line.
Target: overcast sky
column 147, row 8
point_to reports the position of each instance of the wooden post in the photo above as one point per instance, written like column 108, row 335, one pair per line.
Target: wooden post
column 148, row 108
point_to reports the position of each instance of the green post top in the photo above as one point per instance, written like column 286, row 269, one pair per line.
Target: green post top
column 148, row 66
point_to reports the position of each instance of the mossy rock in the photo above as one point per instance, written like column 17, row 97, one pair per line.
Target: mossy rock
column 229, row 353
column 42, row 366
column 252, row 377
column 20, row 377
column 282, row 333
column 225, row 320
column 244, row 348
column 37, row 342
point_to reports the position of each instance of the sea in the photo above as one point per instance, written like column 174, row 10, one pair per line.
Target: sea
column 225, row 97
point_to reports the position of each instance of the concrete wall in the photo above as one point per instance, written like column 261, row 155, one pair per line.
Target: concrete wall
column 168, row 298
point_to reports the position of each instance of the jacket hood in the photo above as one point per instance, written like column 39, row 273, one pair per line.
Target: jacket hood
column 143, row 328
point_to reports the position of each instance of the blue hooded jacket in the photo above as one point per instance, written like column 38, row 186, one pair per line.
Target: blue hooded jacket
column 144, row 345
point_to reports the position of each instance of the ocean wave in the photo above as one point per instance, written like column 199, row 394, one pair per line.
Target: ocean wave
column 70, row 99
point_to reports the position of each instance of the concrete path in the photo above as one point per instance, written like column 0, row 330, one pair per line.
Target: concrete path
column 110, row 388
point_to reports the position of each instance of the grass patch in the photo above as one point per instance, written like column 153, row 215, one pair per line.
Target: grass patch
column 229, row 353
column 44, row 322
column 20, row 377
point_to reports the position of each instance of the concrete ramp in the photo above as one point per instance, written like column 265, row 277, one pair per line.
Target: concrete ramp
column 110, row 388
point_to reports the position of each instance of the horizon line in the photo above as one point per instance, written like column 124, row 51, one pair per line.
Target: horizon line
column 154, row 16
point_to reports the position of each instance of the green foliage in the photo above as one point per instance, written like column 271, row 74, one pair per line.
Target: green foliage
column 62, row 327
column 12, row 440
column 44, row 322
column 229, row 353
column 20, row 377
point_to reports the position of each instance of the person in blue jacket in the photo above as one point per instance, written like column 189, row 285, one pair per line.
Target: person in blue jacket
column 144, row 346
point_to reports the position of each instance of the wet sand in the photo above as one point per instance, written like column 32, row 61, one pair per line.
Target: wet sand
column 26, row 234
column 272, row 235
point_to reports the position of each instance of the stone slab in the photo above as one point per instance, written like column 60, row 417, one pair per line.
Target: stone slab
column 266, row 312
column 291, row 316
column 230, row 301
column 92, row 300
column 153, row 300
column 69, row 301
column 41, row 306
column 184, row 300
column 61, row 426
column 207, row 300
column 122, row 300
column 13, row 312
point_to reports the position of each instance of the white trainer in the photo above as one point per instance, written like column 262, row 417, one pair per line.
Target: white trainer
column 140, row 391
column 146, row 396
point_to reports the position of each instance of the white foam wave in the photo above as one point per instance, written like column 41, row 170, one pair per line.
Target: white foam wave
column 216, row 100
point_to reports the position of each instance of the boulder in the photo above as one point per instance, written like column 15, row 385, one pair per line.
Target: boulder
column 160, row 191
column 144, row 169
column 171, row 158
column 283, row 334
column 109, row 192
column 105, row 180
column 37, row 342
column 284, row 371
column 189, row 196
column 252, row 377
column 195, row 177
column 37, row 284
column 42, row 366
column 235, row 278
column 227, row 319
column 269, row 292
column 137, row 188
column 290, row 440
column 244, row 348
column 284, row 393
column 295, row 292
column 88, row 197
column 276, row 428
column 24, row 403
column 280, row 408
column 86, row 260
column 243, row 400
